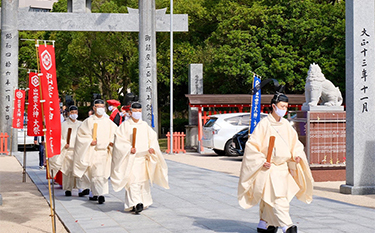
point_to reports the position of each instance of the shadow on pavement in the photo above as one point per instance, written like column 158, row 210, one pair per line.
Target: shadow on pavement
column 225, row 225
column 237, row 159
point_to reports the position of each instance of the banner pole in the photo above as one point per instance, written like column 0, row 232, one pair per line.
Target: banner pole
column 53, row 193
column 45, row 146
column 24, row 157
column 24, row 145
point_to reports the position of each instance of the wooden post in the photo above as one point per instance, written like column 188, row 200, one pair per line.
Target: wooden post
column 200, row 130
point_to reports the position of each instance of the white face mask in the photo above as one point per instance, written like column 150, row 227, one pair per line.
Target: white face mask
column 110, row 108
column 100, row 111
column 73, row 116
column 279, row 112
column 137, row 115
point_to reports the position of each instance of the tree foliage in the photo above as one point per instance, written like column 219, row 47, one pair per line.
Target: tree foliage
column 233, row 39
column 276, row 39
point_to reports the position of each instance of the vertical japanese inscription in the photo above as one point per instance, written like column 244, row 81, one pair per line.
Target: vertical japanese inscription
column 8, row 66
column 148, row 73
column 364, row 88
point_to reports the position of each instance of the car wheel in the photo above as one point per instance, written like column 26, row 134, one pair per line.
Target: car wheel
column 219, row 152
column 230, row 148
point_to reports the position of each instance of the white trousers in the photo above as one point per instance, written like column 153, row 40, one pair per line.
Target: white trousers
column 138, row 193
column 70, row 182
column 98, row 172
column 277, row 215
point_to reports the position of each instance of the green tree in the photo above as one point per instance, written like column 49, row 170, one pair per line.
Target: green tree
column 27, row 57
column 276, row 39
column 96, row 62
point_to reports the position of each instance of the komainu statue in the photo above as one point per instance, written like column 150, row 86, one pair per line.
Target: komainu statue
column 319, row 88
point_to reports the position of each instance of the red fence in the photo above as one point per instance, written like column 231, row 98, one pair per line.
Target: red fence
column 4, row 143
column 178, row 142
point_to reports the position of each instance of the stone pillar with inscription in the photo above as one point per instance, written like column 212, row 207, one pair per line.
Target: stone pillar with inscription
column 195, row 88
column 147, row 63
column 9, row 66
column 360, row 97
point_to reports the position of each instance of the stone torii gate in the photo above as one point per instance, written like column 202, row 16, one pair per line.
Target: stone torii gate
column 146, row 21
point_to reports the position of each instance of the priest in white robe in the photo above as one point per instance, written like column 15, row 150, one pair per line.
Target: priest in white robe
column 274, row 184
column 135, row 168
column 64, row 161
column 93, row 151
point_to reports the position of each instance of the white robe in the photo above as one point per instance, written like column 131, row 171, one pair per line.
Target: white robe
column 284, row 180
column 64, row 161
column 95, row 160
column 135, row 172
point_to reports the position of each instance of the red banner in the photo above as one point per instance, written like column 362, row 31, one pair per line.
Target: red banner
column 19, row 109
column 51, row 96
column 34, row 111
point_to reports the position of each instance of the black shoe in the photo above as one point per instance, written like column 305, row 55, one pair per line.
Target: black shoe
column 84, row 192
column 292, row 229
column 101, row 200
column 94, row 198
column 68, row 193
column 270, row 229
column 138, row 208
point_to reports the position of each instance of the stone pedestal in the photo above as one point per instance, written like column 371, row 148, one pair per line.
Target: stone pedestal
column 322, row 108
column 324, row 137
column 191, row 137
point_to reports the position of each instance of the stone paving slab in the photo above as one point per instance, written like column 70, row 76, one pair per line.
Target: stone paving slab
column 199, row 200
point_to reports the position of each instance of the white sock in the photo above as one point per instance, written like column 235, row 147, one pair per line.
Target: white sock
column 262, row 225
column 285, row 228
column 90, row 195
column 80, row 190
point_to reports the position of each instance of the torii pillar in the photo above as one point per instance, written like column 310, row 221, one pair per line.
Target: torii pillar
column 9, row 66
column 80, row 18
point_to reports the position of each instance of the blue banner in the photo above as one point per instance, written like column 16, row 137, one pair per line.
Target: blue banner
column 255, row 105
column 152, row 117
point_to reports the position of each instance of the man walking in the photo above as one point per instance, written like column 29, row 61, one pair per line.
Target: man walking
column 137, row 161
column 273, row 180
column 64, row 161
column 93, row 149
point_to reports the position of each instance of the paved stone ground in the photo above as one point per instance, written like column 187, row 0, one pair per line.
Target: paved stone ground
column 232, row 166
column 199, row 200
column 24, row 209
